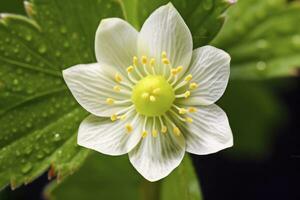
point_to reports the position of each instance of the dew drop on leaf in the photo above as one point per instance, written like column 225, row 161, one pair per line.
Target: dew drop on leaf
column 261, row 65
column 56, row 137
column 42, row 49
column 26, row 168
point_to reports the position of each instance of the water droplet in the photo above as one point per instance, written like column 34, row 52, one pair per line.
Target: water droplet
column 28, row 124
column 40, row 155
column 57, row 137
column 15, row 81
column 261, row 65
column 57, row 53
column 66, row 44
column 18, row 153
column 42, row 49
column 63, row 30
column 26, row 168
column 28, row 150
column 262, row 44
column 28, row 58
column 296, row 40
column 28, row 37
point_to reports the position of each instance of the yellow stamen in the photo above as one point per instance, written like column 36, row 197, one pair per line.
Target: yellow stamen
column 114, row 117
column 135, row 60
column 182, row 111
column 152, row 98
column 144, row 134
column 174, row 72
column 164, row 129
column 144, row 60
column 188, row 119
column 176, row 131
column 164, row 54
column 193, row 86
column 165, row 61
column 156, row 91
column 122, row 117
column 117, row 88
column 188, row 77
column 129, row 69
column 110, row 101
column 154, row 133
column 192, row 109
column 118, row 77
column 152, row 62
column 145, row 95
column 179, row 69
column 187, row 94
column 129, row 128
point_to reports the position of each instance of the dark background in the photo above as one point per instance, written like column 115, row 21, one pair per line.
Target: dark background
column 275, row 177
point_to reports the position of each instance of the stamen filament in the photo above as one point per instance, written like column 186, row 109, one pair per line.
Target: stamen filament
column 175, row 128
column 154, row 131
column 163, row 127
column 184, row 95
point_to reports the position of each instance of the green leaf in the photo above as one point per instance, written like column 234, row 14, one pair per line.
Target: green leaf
column 254, row 116
column 106, row 177
column 263, row 39
column 203, row 17
column 38, row 115
column 182, row 184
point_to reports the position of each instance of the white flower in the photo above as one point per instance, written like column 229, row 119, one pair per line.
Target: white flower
column 151, row 95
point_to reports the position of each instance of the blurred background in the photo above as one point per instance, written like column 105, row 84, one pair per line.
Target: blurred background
column 265, row 161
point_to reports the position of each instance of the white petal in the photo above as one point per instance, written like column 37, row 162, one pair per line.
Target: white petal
column 116, row 43
column 210, row 68
column 107, row 137
column 91, row 86
column 165, row 30
column 156, row 157
column 209, row 132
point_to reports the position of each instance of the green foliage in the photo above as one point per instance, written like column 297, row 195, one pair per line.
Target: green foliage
column 106, row 177
column 38, row 115
column 204, row 18
column 254, row 115
column 263, row 39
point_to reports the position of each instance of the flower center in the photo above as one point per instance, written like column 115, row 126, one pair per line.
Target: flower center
column 153, row 95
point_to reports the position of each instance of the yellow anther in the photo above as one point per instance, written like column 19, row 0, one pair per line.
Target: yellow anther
column 144, row 134
column 154, row 133
column 163, row 54
column 145, row 95
column 117, row 88
column 193, row 86
column 192, row 109
column 176, row 131
column 118, row 77
column 128, row 128
column 152, row 62
column 165, row 61
column 114, row 117
column 179, row 69
column 164, row 129
column 156, row 91
column 129, row 69
column 174, row 72
column 187, row 94
column 152, row 98
column 144, row 59
column 122, row 117
column 182, row 111
column 135, row 60
column 188, row 119
column 110, row 101
column 188, row 77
